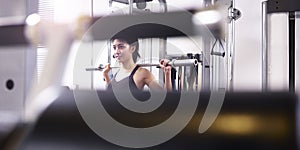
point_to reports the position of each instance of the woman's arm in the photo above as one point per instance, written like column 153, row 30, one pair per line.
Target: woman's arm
column 152, row 83
column 145, row 77
column 168, row 80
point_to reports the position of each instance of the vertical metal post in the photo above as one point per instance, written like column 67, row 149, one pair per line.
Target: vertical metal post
column 110, row 3
column 151, row 53
column 162, row 41
column 292, row 51
column 206, row 69
column 92, row 52
column 162, row 54
column 264, row 46
column 232, row 49
column 130, row 6
column 228, row 52
column 231, row 46
column 163, row 5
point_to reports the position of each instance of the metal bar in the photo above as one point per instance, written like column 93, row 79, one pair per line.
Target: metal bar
column 264, row 46
column 98, row 69
column 101, row 68
column 149, row 65
column 184, row 62
column 292, row 51
column 173, row 63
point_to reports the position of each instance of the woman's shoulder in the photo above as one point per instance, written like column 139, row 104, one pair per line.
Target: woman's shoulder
column 143, row 72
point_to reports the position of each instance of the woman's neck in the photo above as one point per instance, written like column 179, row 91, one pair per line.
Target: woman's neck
column 128, row 66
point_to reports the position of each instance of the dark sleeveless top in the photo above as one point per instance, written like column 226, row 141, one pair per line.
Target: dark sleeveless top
column 124, row 82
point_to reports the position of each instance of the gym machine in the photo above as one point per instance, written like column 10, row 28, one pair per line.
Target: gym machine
column 211, row 54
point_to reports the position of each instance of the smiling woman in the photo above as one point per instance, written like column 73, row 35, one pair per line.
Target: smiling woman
column 121, row 44
column 126, row 52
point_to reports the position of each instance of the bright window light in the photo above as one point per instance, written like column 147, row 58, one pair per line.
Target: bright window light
column 33, row 19
column 207, row 17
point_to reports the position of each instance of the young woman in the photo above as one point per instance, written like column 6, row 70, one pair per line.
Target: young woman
column 125, row 51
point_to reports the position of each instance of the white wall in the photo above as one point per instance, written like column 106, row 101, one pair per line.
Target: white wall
column 247, row 67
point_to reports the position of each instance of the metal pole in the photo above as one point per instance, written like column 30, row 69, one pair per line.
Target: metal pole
column 92, row 49
column 163, row 5
column 228, row 50
column 292, row 51
column 264, row 46
column 162, row 41
column 173, row 63
column 232, row 48
column 130, row 6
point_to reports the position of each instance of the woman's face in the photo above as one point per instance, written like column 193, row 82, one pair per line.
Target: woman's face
column 122, row 50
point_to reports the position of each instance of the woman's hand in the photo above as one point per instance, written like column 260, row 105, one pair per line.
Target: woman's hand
column 106, row 70
column 164, row 64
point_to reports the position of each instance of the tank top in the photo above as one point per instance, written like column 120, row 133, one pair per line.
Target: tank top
column 124, row 82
